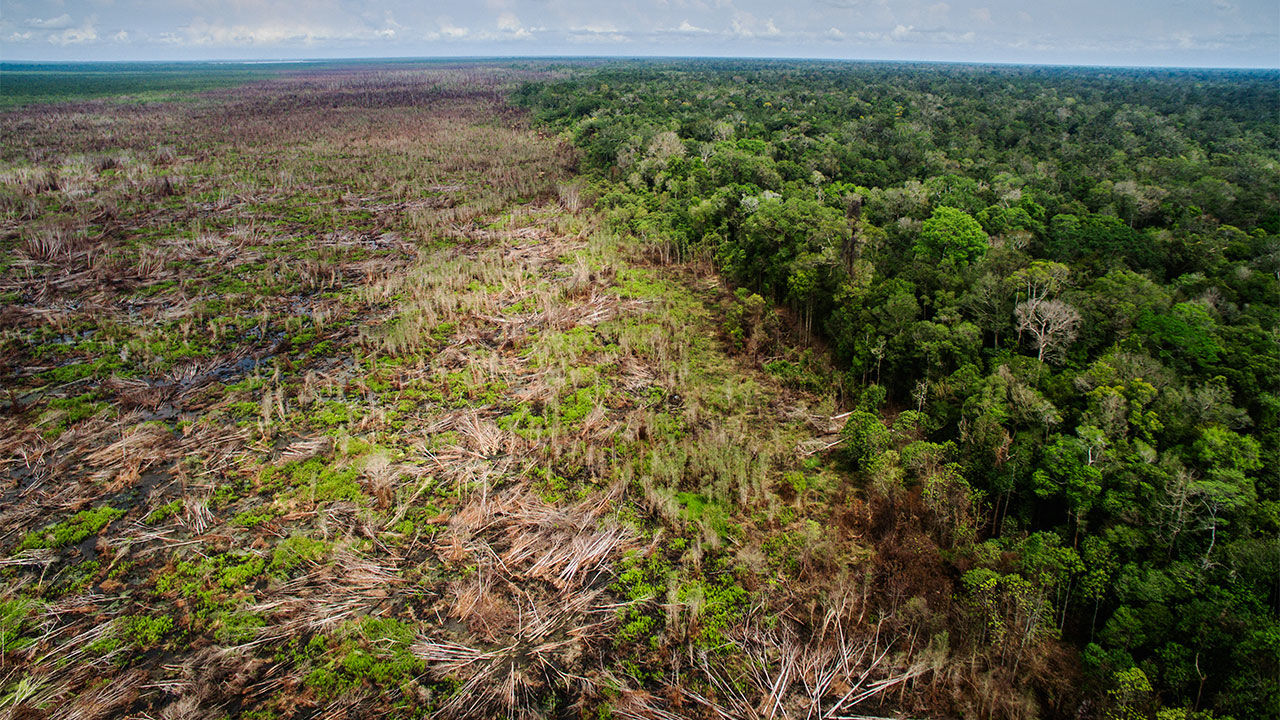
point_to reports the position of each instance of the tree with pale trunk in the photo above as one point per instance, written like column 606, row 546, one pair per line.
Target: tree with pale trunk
column 1053, row 325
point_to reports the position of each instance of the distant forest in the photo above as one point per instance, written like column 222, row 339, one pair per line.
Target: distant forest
column 1051, row 298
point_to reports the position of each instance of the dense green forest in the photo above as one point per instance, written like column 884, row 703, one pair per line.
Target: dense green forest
column 1051, row 298
column 26, row 83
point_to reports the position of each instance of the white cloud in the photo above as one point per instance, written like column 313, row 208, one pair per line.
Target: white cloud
column 451, row 31
column 594, row 38
column 687, row 27
column 595, row 28
column 74, row 36
column 511, row 25
column 19, row 37
column 54, row 23
column 599, row 32
column 981, row 14
column 909, row 34
column 745, row 25
column 270, row 33
column 121, row 37
column 836, row 33
column 508, row 21
column 390, row 28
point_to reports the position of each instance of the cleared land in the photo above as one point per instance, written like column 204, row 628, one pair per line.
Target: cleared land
column 326, row 396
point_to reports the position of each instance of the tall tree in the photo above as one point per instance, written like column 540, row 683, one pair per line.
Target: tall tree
column 1052, row 324
column 951, row 234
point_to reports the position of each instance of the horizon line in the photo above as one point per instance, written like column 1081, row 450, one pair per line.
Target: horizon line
column 375, row 58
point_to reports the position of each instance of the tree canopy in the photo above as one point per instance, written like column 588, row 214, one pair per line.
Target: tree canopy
column 1069, row 276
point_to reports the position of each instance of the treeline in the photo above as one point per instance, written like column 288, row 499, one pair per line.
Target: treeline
column 1054, row 296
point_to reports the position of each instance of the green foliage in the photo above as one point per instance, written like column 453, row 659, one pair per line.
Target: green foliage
column 787, row 247
column 909, row 211
column 744, row 320
column 1186, row 336
column 720, row 604
column 235, row 628
column 144, row 631
column 164, row 512
column 581, row 402
column 367, row 652
column 333, row 413
column 66, row 412
column 239, row 574
column 642, row 581
column 317, row 480
column 864, row 437
column 254, row 518
column 712, row 513
column 1131, row 695
column 37, row 83
column 295, row 551
column 211, row 576
column 800, row 375
column 71, row 531
column 15, row 622
column 951, row 234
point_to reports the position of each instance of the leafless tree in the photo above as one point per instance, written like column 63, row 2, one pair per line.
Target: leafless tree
column 1052, row 323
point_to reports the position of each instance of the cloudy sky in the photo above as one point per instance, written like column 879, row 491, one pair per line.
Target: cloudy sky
column 1221, row 33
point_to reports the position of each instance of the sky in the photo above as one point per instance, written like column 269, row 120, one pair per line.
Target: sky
column 1200, row 33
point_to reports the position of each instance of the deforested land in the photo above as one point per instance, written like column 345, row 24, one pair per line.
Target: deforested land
column 648, row 389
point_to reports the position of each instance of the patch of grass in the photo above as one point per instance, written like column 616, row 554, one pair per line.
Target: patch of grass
column 459, row 391
column 77, row 579
column 641, row 284
column 369, row 652
column 145, row 631
column 720, row 604
column 707, row 511
column 245, row 409
column 295, row 551
column 524, row 421
column 97, row 368
column 572, row 346
column 333, row 414
column 68, row 532
column 550, row 486
column 643, row 582
column 237, row 627
column 242, row 573
column 782, row 551
column 318, row 480
column 128, row 82
column 254, row 518
column 164, row 512
column 16, row 618
column 800, row 375
column 139, row 632
column 63, row 413
column 211, row 576
column 581, row 402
